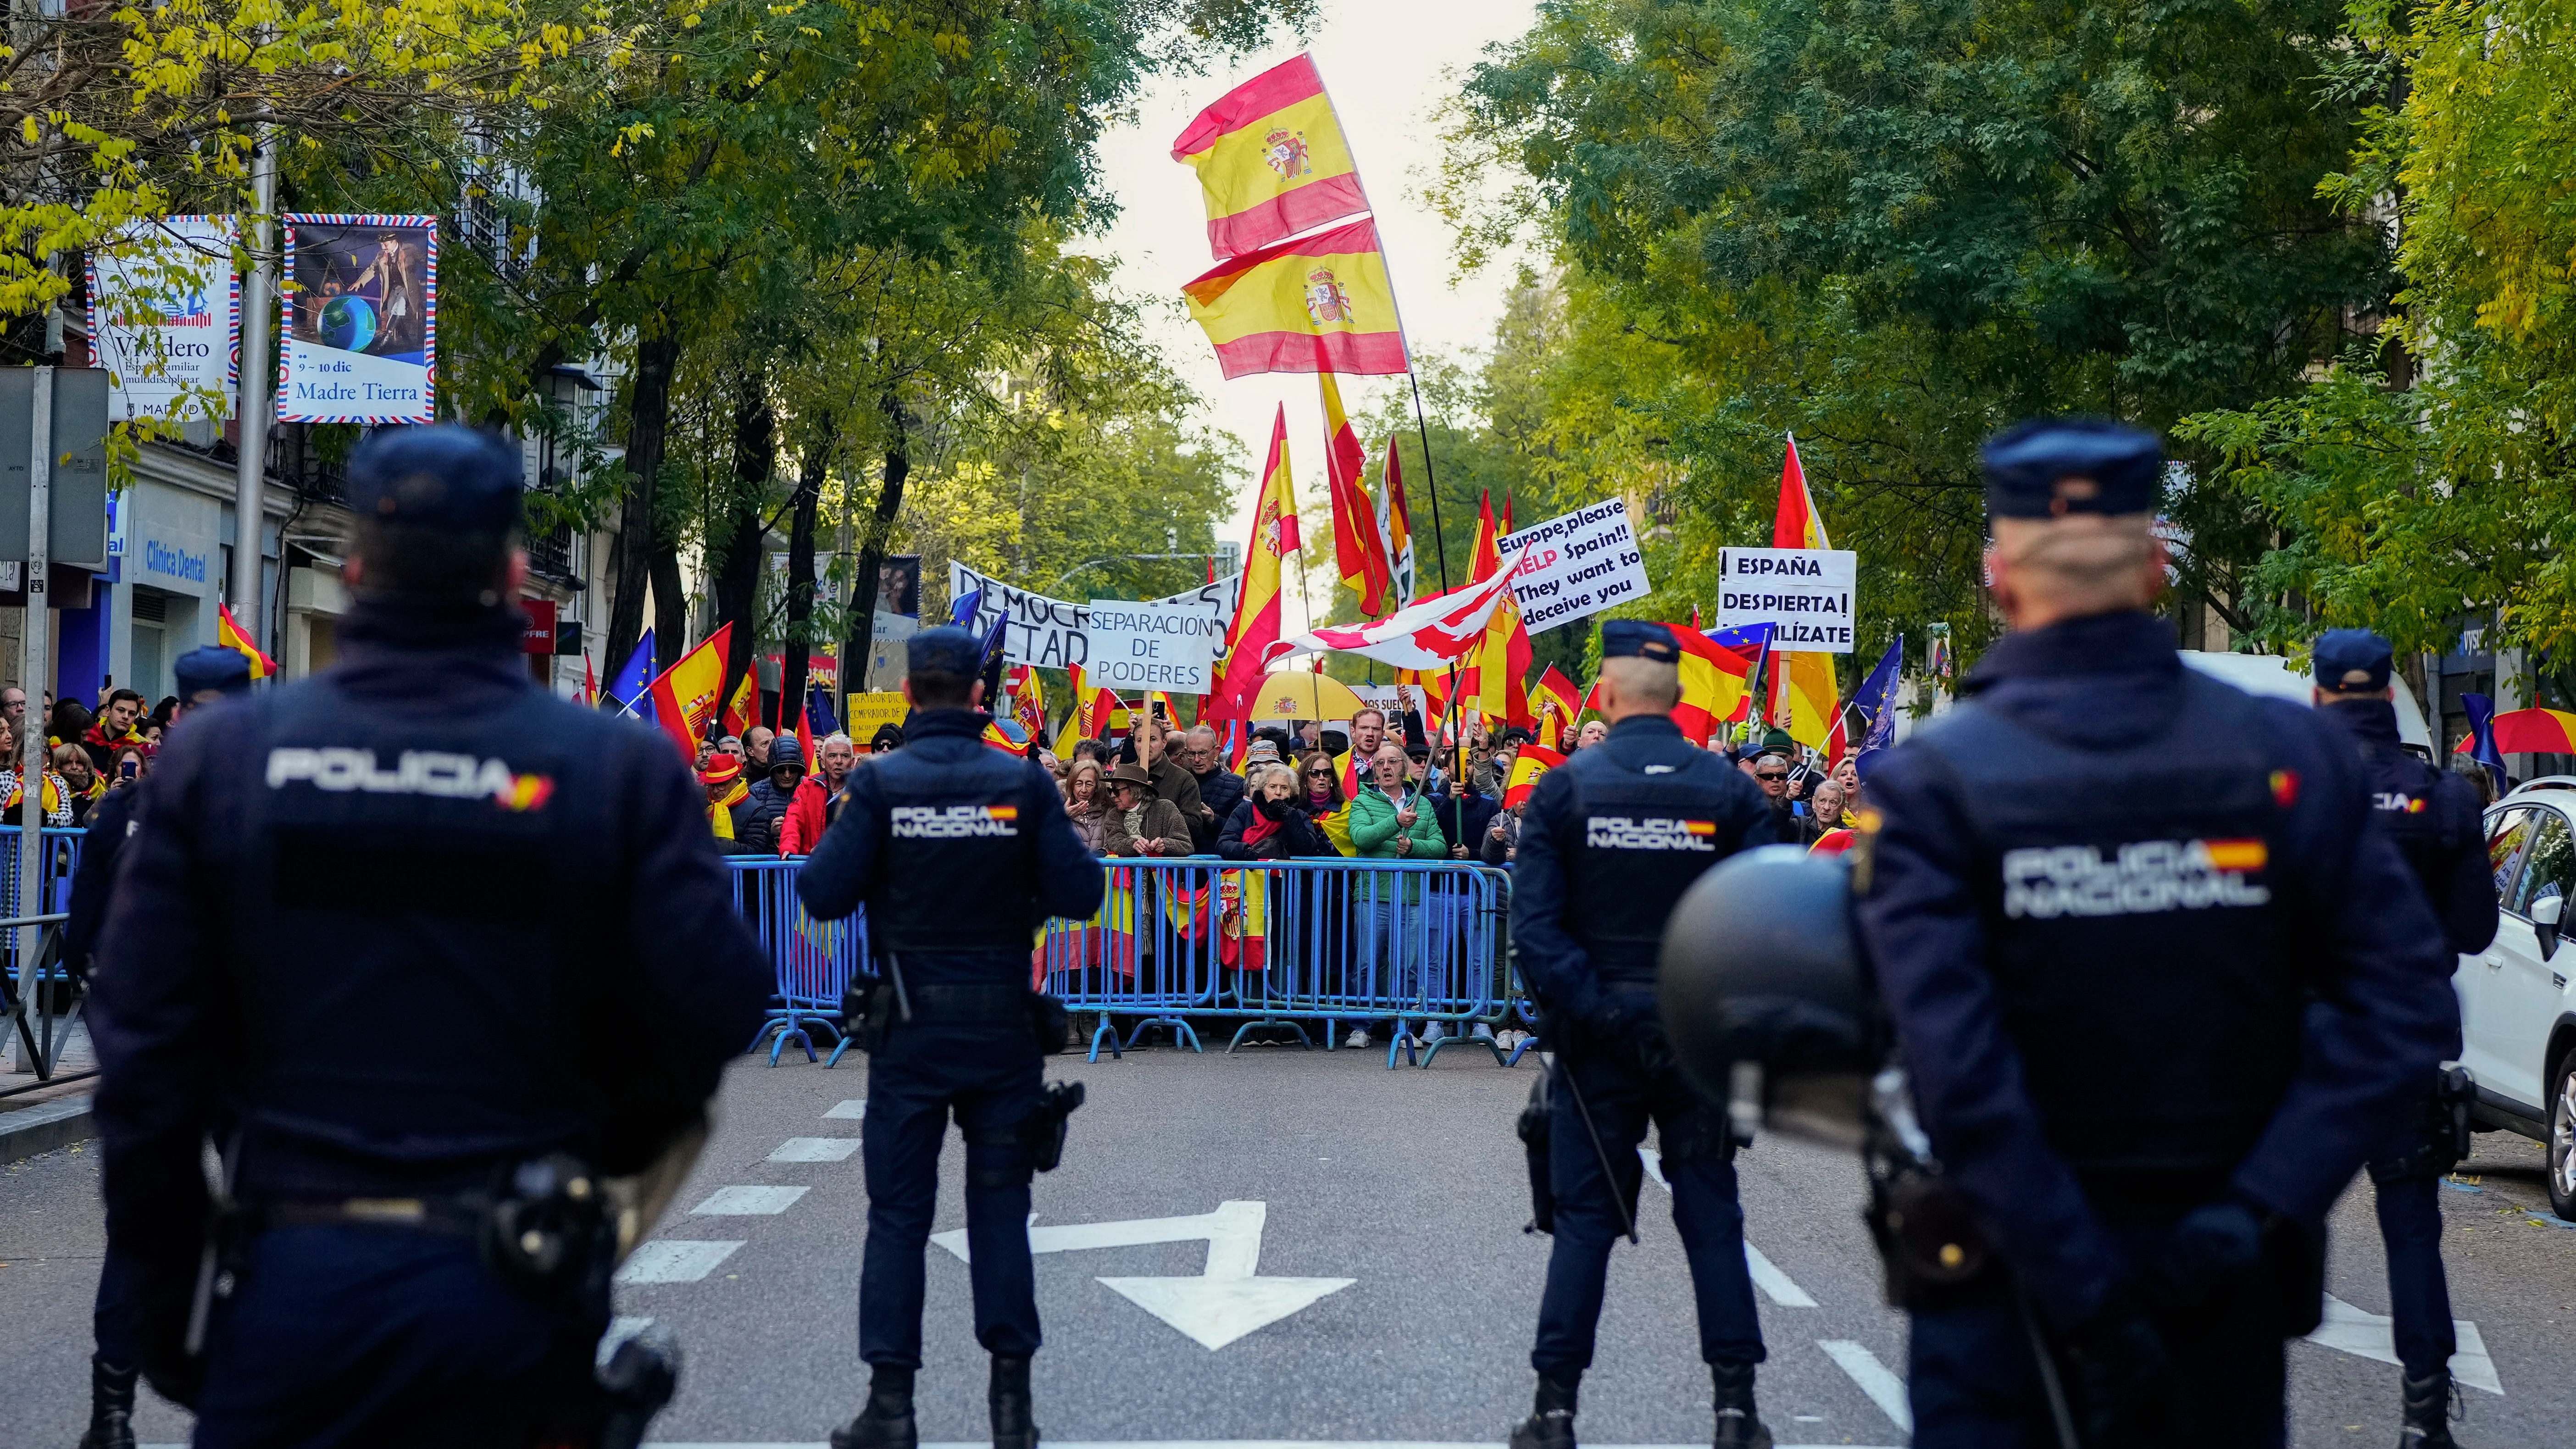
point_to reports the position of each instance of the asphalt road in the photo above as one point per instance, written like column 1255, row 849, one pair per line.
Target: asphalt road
column 1407, row 1183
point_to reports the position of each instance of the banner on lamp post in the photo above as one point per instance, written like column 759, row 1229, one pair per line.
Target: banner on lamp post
column 358, row 319
column 165, row 307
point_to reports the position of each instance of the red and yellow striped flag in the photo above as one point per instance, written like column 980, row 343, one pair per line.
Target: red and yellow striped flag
column 743, row 710
column 1497, row 674
column 1318, row 304
column 228, row 634
column 1271, row 158
column 1394, row 528
column 1803, row 696
column 1359, row 551
column 1257, row 621
column 1532, row 762
column 684, row 698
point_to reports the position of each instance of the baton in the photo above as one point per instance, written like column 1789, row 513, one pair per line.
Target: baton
column 1565, row 1075
column 2048, row 1379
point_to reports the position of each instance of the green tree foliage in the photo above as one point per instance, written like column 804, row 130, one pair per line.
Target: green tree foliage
column 1892, row 228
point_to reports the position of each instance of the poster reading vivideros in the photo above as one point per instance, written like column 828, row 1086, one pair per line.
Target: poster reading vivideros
column 165, row 306
column 359, row 319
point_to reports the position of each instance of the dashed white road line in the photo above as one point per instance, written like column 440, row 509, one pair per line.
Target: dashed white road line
column 1878, row 1381
column 815, row 1149
column 749, row 1201
column 674, row 1260
column 853, row 1110
column 1775, row 1285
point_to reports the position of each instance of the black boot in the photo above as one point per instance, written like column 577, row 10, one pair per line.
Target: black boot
column 111, row 1407
column 1738, row 1427
column 885, row 1421
column 1014, row 1422
column 2427, row 1423
column 1551, row 1421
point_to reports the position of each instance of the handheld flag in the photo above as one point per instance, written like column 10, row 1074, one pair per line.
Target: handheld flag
column 2480, row 743
column 1028, row 701
column 1359, row 551
column 1394, row 527
column 741, row 711
column 589, row 683
column 1253, row 637
column 1497, row 671
column 629, row 686
column 1715, row 682
column 684, row 698
column 1426, row 635
column 1877, row 699
column 961, row 612
column 1558, row 700
column 1318, row 304
column 229, row 634
column 1527, row 766
column 1803, row 697
column 1271, row 158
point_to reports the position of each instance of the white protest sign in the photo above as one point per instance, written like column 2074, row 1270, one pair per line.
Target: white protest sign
column 167, row 306
column 1137, row 647
column 1804, row 593
column 1054, row 633
column 1584, row 562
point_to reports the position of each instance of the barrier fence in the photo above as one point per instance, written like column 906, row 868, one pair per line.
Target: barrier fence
column 40, row 999
column 1267, row 945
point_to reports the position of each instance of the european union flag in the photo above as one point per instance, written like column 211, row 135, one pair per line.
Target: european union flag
column 1877, row 699
column 2480, row 745
column 631, row 687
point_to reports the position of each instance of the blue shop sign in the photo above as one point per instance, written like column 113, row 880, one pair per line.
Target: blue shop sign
column 177, row 563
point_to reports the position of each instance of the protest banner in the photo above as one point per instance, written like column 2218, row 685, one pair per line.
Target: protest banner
column 1805, row 594
column 359, row 319
column 166, row 307
column 871, row 711
column 1055, row 633
column 1584, row 562
column 1166, row 646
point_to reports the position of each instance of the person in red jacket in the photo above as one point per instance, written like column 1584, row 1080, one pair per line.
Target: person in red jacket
column 811, row 807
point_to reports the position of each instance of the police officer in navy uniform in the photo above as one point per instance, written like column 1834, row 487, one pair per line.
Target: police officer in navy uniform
column 422, row 955
column 2433, row 817
column 960, row 852
column 2158, row 980
column 204, row 676
column 1609, row 842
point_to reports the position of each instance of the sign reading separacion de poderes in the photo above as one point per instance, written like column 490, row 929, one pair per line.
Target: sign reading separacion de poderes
column 358, row 319
column 1055, row 633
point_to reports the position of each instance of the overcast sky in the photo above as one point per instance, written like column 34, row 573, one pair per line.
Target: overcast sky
column 1388, row 64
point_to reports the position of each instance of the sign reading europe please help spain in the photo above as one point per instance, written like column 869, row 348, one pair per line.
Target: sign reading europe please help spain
column 1804, row 593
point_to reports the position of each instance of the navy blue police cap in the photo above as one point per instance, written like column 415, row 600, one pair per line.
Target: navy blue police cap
column 2051, row 467
column 199, row 670
column 945, row 650
column 2353, row 660
column 1621, row 638
column 443, row 477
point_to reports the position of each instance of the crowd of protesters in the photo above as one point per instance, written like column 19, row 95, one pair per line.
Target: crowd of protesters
column 87, row 752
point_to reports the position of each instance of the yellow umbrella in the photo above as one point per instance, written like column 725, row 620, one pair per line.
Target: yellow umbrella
column 1299, row 695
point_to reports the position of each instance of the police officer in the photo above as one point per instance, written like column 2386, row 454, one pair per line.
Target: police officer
column 2433, row 818
column 423, row 953
column 204, row 676
column 959, row 852
column 2157, row 979
column 1609, row 841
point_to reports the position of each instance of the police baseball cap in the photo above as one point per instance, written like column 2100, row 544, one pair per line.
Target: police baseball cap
column 442, row 477
column 2051, row 467
column 1621, row 638
column 945, row 650
column 2353, row 660
column 199, row 670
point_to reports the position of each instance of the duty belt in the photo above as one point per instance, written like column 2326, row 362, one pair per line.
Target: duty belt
column 454, row 1215
column 964, row 1004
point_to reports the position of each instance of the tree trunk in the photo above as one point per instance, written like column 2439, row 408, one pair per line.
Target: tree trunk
column 737, row 581
column 800, row 577
column 647, row 430
column 872, row 544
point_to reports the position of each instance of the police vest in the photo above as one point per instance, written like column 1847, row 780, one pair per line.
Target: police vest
column 960, row 855
column 2138, row 951
column 2405, row 795
column 414, row 931
column 1632, row 843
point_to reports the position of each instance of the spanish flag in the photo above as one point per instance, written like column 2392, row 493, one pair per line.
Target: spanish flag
column 1558, row 704
column 1271, row 157
column 743, row 710
column 684, row 698
column 1532, row 762
column 228, row 634
column 1714, row 681
column 1359, row 550
column 1803, row 694
column 1495, row 683
column 1028, row 701
column 1256, row 624
column 1395, row 530
column 1077, row 719
column 1318, row 304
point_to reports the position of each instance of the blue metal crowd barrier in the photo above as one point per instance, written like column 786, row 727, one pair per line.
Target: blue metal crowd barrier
column 1287, row 945
column 39, row 999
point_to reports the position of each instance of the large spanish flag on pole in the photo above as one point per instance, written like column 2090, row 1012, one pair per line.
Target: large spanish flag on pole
column 1359, row 551
column 1803, row 694
column 1271, row 157
column 684, row 698
column 1256, row 615
column 1318, row 304
column 229, row 634
column 1395, row 528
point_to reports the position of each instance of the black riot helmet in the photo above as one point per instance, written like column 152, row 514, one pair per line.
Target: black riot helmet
column 1764, row 996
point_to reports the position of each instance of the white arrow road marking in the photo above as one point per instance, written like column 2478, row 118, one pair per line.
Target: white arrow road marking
column 674, row 1261
column 815, row 1149
column 749, row 1201
column 1775, row 1285
column 1226, row 1301
column 2364, row 1334
column 1882, row 1385
column 853, row 1110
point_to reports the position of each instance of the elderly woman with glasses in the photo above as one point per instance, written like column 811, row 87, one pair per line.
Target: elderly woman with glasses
column 1326, row 805
column 1271, row 823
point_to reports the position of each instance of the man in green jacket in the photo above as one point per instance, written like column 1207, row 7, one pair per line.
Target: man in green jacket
column 1398, row 931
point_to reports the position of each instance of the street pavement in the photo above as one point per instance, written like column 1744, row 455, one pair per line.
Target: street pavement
column 1225, row 1200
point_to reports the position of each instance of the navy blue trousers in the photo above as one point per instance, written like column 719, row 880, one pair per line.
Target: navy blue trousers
column 117, row 1316
column 2419, row 1297
column 990, row 1078
column 1973, row 1376
column 347, row 1335
column 1622, row 1099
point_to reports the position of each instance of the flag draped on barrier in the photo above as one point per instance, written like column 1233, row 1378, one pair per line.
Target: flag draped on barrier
column 1322, row 303
column 1271, row 159
column 1803, row 697
column 1253, row 636
column 684, row 698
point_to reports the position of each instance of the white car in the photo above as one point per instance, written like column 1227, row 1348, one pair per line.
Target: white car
column 2517, row 1017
